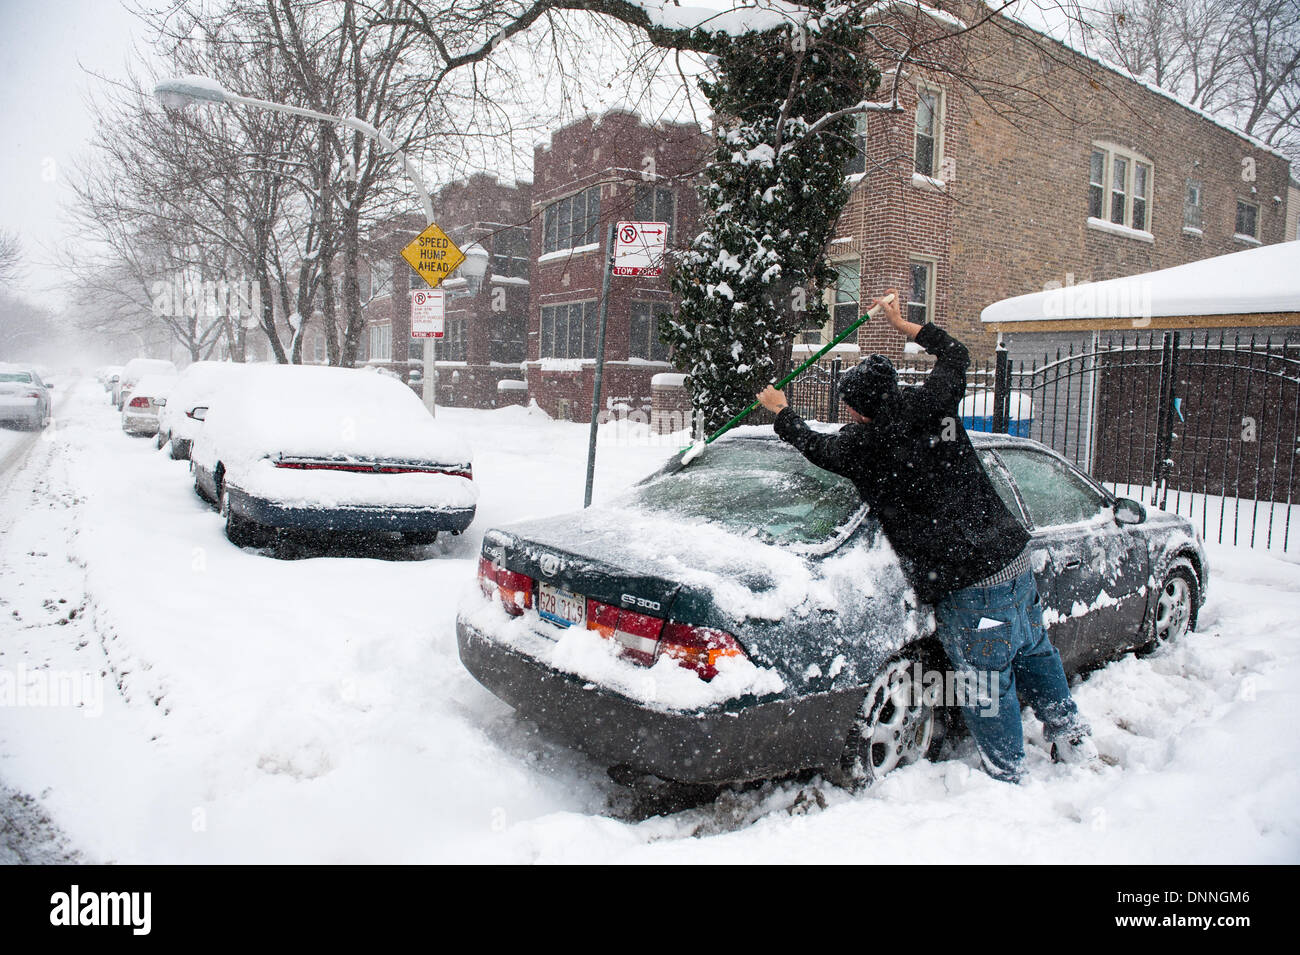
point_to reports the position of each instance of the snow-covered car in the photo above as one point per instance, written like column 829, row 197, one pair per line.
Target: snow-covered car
column 330, row 449
column 24, row 397
column 134, row 370
column 745, row 617
column 196, row 388
column 142, row 404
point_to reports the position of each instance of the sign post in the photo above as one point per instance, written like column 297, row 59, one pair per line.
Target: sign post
column 632, row 248
column 434, row 257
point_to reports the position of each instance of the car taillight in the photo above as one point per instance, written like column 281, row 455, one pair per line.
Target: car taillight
column 698, row 648
column 140, row 402
column 637, row 633
column 516, row 590
column 371, row 468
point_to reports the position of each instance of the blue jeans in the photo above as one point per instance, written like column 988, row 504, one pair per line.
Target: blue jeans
column 994, row 636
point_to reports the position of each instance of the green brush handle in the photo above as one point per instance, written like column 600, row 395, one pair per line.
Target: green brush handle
column 871, row 313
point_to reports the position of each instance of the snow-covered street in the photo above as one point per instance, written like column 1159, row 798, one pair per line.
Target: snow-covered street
column 223, row 705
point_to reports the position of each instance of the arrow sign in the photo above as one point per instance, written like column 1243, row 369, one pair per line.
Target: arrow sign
column 639, row 248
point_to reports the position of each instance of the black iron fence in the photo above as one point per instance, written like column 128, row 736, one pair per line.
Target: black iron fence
column 1201, row 424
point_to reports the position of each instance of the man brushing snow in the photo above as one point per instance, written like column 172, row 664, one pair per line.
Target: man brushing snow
column 962, row 550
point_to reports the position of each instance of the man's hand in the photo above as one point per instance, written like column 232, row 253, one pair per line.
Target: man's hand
column 772, row 400
column 894, row 314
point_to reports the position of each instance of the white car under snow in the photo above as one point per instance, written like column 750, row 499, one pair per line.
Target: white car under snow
column 330, row 449
column 197, row 389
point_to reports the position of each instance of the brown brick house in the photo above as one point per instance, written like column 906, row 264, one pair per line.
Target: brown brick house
column 592, row 173
column 485, row 332
column 1077, row 173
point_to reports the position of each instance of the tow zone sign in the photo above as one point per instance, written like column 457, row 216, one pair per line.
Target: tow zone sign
column 639, row 248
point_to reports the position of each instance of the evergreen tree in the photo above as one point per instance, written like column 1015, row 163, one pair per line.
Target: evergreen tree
column 774, row 191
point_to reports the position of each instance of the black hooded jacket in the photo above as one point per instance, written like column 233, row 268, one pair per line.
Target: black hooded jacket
column 914, row 466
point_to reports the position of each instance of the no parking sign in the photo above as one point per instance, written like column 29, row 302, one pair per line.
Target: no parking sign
column 428, row 309
column 639, row 248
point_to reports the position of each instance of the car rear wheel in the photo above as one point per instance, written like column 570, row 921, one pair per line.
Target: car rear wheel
column 895, row 726
column 1176, row 605
column 240, row 531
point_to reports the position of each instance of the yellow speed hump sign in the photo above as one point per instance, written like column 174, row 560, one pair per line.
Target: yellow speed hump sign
column 433, row 255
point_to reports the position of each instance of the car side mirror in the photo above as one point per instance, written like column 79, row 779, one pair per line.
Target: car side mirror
column 1129, row 512
column 198, row 414
column 160, row 402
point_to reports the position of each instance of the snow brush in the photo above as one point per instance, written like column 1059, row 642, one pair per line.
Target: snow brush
column 695, row 450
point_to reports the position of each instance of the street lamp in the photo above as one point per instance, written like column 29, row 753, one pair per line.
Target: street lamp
column 183, row 90
column 475, row 265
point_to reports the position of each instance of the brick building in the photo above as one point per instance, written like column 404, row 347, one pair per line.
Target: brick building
column 591, row 174
column 1078, row 172
column 485, row 332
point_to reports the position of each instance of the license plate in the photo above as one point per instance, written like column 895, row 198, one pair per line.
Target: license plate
column 561, row 606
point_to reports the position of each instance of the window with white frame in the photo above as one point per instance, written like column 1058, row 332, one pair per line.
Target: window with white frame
column 920, row 300
column 569, row 331
column 857, row 163
column 848, row 294
column 655, row 204
column 929, row 131
column 381, row 342
column 1247, row 219
column 644, row 340
column 1119, row 187
column 1192, row 205
column 452, row 344
column 510, row 253
column 572, row 221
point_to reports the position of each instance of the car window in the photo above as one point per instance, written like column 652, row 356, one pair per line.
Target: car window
column 19, row 376
column 1052, row 492
column 1000, row 483
column 756, row 488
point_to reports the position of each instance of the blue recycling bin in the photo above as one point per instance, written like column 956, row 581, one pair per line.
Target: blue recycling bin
column 977, row 413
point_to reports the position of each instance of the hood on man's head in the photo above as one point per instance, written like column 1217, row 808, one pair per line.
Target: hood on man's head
column 866, row 385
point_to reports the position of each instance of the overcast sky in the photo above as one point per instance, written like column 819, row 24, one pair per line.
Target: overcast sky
column 46, row 48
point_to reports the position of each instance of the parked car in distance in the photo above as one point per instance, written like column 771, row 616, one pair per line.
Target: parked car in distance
column 196, row 387
column 745, row 618
column 107, row 374
column 24, row 397
column 143, row 403
column 136, row 369
column 330, row 449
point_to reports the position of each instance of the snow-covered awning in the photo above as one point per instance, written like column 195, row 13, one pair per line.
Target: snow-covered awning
column 1257, row 286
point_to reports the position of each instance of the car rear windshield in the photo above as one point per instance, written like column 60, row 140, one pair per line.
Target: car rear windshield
column 19, row 376
column 754, row 488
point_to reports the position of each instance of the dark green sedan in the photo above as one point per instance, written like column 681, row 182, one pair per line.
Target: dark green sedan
column 744, row 617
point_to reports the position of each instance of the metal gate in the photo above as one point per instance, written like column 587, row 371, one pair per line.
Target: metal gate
column 1201, row 424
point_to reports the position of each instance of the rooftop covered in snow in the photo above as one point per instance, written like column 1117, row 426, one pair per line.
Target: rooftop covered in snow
column 1258, row 286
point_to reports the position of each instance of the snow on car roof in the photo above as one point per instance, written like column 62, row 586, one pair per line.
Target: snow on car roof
column 153, row 386
column 311, row 411
column 1257, row 280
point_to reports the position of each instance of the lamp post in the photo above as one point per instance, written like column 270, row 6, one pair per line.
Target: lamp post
column 473, row 268
column 183, row 90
